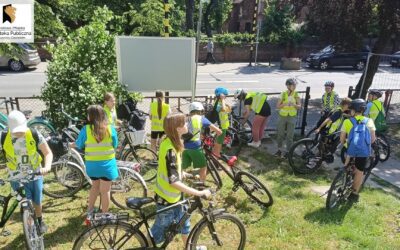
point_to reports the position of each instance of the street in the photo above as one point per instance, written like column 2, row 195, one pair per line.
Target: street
column 230, row 75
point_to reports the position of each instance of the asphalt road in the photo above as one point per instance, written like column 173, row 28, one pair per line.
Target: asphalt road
column 230, row 75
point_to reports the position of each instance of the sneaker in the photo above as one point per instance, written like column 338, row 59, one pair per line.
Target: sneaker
column 353, row 198
column 88, row 219
column 254, row 144
column 42, row 227
column 201, row 248
column 278, row 153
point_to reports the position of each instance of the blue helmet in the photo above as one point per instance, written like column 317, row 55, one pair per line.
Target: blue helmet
column 221, row 90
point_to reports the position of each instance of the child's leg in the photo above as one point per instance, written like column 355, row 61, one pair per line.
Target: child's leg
column 262, row 127
column 258, row 120
column 218, row 145
column 93, row 193
column 105, row 187
column 203, row 173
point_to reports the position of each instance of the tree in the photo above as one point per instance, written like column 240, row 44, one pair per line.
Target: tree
column 389, row 23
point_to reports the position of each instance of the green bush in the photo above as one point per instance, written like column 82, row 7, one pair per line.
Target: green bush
column 83, row 69
column 229, row 39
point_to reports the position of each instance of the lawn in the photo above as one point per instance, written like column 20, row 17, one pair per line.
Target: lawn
column 297, row 220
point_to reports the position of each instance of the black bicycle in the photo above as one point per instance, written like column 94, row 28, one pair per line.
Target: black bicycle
column 342, row 184
column 216, row 230
column 30, row 224
column 250, row 184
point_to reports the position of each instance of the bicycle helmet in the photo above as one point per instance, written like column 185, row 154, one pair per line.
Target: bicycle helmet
column 375, row 92
column 239, row 94
column 358, row 105
column 221, row 90
column 196, row 106
column 291, row 81
column 329, row 84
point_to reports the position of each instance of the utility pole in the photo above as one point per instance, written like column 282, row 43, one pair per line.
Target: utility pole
column 253, row 31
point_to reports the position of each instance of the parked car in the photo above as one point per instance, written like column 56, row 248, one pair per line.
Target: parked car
column 332, row 56
column 29, row 57
column 396, row 59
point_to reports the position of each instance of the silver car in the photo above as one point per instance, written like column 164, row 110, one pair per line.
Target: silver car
column 29, row 57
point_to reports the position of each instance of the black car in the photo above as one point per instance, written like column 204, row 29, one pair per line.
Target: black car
column 332, row 56
column 395, row 59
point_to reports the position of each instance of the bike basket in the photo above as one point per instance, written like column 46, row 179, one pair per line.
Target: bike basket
column 137, row 137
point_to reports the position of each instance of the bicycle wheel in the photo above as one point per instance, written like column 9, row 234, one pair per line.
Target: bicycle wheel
column 340, row 189
column 128, row 184
column 148, row 161
column 43, row 128
column 254, row 188
column 244, row 131
column 33, row 239
column 64, row 180
column 120, row 235
column 212, row 169
column 311, row 132
column 224, row 231
column 303, row 156
column 383, row 147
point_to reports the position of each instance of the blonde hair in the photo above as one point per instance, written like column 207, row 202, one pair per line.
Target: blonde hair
column 98, row 122
column 108, row 96
column 171, row 124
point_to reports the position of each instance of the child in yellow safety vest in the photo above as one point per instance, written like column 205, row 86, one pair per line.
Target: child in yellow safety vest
column 288, row 104
column 99, row 139
column 334, row 122
column 21, row 146
column 158, row 111
column 109, row 108
column 223, row 110
column 169, row 183
column 374, row 106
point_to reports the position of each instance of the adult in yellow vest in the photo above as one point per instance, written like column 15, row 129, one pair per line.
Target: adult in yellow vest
column 99, row 140
column 21, row 146
column 158, row 111
column 109, row 108
column 193, row 153
column 223, row 110
column 169, row 182
column 288, row 104
column 256, row 102
column 374, row 106
column 334, row 122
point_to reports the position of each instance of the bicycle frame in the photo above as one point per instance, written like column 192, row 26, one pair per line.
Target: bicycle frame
column 8, row 211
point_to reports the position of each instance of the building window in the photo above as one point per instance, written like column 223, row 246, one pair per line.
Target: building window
column 237, row 28
column 247, row 27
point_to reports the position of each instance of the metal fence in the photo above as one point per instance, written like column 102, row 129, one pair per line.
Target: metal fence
column 180, row 104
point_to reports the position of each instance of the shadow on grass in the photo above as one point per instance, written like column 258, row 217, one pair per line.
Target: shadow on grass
column 333, row 216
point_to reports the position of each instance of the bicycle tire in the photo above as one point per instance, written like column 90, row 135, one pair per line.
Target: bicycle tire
column 384, row 148
column 304, row 162
column 338, row 190
column 256, row 185
column 213, row 170
column 95, row 233
column 247, row 130
column 148, row 160
column 128, row 184
column 33, row 239
column 63, row 180
column 309, row 133
column 230, row 240
column 43, row 128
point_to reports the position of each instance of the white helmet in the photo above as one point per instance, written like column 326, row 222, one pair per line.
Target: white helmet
column 196, row 106
column 17, row 122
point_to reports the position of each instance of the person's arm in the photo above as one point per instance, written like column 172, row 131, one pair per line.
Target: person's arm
column 80, row 142
column 114, row 136
column 372, row 129
column 343, row 137
column 327, row 120
column 48, row 157
column 298, row 103
column 368, row 109
column 191, row 191
column 215, row 129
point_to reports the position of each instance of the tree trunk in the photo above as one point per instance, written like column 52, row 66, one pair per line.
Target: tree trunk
column 207, row 17
column 388, row 22
column 189, row 14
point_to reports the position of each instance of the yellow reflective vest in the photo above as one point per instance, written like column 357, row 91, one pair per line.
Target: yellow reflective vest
column 163, row 188
column 157, row 123
column 223, row 118
column 258, row 100
column 331, row 102
column 98, row 151
column 111, row 115
column 289, row 110
column 34, row 157
column 196, row 126
column 375, row 109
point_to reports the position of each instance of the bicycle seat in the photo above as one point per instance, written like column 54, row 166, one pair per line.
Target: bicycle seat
column 137, row 203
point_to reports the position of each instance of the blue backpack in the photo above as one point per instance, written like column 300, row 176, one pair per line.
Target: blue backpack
column 359, row 139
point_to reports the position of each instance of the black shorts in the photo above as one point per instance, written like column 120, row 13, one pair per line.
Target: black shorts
column 99, row 178
column 265, row 110
column 360, row 163
column 156, row 134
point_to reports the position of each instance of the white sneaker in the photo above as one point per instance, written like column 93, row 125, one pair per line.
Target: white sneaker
column 201, row 248
column 254, row 144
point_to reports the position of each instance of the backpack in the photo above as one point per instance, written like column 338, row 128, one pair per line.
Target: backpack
column 137, row 120
column 380, row 121
column 359, row 139
column 212, row 114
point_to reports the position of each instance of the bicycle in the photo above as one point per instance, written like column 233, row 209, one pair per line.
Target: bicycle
column 216, row 229
column 31, row 227
column 306, row 155
column 136, row 152
column 250, row 184
column 342, row 184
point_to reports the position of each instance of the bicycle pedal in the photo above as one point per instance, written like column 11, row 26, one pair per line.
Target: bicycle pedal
column 235, row 188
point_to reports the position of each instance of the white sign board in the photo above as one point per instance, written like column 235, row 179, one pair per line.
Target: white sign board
column 16, row 21
column 154, row 63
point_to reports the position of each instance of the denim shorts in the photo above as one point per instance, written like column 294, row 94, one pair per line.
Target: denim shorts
column 165, row 219
column 33, row 190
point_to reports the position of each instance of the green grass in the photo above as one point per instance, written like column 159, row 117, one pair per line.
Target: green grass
column 297, row 220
